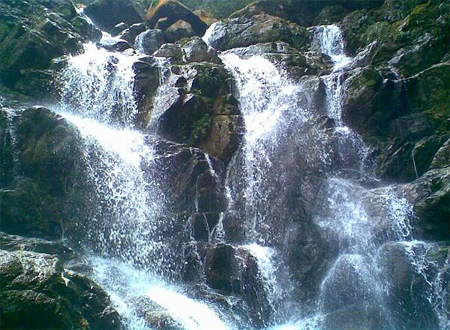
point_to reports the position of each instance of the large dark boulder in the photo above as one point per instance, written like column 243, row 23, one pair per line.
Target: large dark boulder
column 404, row 119
column 201, row 112
column 32, row 35
column 242, row 32
column 173, row 11
column 108, row 13
column 37, row 292
column 430, row 197
column 409, row 285
column 234, row 271
column 45, row 168
column 193, row 182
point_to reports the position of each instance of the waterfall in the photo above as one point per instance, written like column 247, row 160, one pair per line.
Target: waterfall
column 100, row 84
column 288, row 176
column 126, row 229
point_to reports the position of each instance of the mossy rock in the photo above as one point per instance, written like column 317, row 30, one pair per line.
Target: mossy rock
column 36, row 292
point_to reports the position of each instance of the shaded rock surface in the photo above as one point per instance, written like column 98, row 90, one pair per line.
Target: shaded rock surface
column 32, row 35
column 108, row 13
column 173, row 11
column 37, row 292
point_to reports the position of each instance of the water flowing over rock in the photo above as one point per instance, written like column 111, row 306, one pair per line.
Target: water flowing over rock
column 263, row 174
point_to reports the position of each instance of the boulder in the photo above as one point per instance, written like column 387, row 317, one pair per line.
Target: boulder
column 37, row 292
column 243, row 32
column 430, row 197
column 234, row 271
column 178, row 31
column 130, row 34
column 35, row 33
column 194, row 183
column 150, row 41
column 201, row 112
column 118, row 29
column 409, row 287
column 108, row 13
column 48, row 162
column 174, row 11
column 196, row 50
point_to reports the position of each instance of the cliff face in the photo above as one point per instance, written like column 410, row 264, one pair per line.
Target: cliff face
column 310, row 134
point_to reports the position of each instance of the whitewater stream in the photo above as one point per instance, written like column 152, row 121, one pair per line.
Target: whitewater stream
column 126, row 242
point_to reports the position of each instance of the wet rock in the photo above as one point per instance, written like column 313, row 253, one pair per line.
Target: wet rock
column 150, row 41
column 202, row 113
column 35, row 33
column 146, row 83
column 37, row 245
column 108, row 13
column 37, row 292
column 355, row 316
column 408, row 288
column 48, row 160
column 361, row 291
column 174, row 11
column 132, row 32
column 118, row 29
column 442, row 157
column 430, row 196
column 191, row 182
column 233, row 270
column 330, row 15
column 6, row 152
column 115, row 45
column 178, row 31
column 196, row 50
column 243, row 32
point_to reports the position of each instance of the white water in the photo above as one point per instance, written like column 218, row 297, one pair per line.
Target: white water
column 99, row 84
column 125, row 219
column 134, row 293
column 129, row 195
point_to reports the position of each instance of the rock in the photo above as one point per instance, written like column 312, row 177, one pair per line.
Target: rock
column 191, row 182
column 243, row 32
column 108, row 13
column 408, row 287
column 6, row 152
column 114, row 44
column 442, row 157
column 178, row 31
column 196, row 50
column 355, row 317
column 330, row 15
column 233, row 270
column 171, row 51
column 336, row 294
column 37, row 245
column 261, row 7
column 48, row 162
column 118, row 29
column 150, row 41
column 132, row 32
column 174, row 11
column 146, row 82
column 36, row 284
column 35, row 33
column 201, row 112
column 430, row 197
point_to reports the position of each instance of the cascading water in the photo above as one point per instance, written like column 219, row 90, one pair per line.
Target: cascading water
column 99, row 84
column 125, row 222
column 130, row 227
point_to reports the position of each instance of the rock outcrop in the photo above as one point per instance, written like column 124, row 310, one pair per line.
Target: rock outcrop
column 168, row 12
column 33, row 34
column 37, row 292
